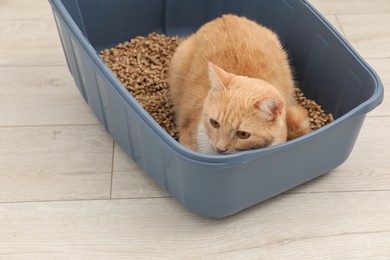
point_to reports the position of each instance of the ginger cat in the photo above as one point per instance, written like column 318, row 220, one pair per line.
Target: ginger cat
column 232, row 89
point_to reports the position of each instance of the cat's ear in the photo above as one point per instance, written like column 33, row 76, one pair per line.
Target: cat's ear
column 271, row 105
column 218, row 77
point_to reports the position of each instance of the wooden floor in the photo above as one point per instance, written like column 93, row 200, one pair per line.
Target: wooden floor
column 67, row 191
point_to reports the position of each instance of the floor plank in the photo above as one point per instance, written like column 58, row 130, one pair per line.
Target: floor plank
column 371, row 245
column 159, row 228
column 368, row 33
column 54, row 163
column 41, row 96
column 30, row 42
column 351, row 6
column 25, row 9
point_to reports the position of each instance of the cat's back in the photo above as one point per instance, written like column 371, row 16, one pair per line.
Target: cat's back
column 229, row 30
column 236, row 44
column 243, row 47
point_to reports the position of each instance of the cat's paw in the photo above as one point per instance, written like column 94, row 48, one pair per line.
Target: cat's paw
column 297, row 121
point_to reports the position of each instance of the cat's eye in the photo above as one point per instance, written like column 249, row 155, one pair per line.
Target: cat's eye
column 214, row 123
column 243, row 134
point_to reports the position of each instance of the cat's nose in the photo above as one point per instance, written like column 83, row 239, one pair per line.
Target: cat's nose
column 221, row 149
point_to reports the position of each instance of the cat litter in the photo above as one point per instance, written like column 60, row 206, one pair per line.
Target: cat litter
column 141, row 64
column 328, row 69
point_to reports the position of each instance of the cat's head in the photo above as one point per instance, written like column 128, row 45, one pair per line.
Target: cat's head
column 242, row 113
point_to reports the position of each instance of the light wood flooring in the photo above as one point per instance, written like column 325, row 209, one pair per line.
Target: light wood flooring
column 67, row 191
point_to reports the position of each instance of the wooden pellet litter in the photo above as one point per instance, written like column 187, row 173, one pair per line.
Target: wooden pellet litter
column 317, row 116
column 141, row 64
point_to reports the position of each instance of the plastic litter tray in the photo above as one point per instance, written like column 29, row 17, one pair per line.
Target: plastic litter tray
column 327, row 70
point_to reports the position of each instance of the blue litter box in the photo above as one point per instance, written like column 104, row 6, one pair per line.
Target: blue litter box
column 327, row 69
